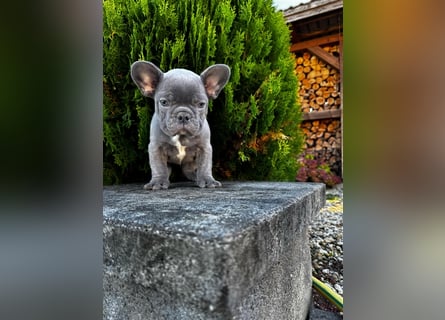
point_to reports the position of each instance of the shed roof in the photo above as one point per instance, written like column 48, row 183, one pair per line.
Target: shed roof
column 312, row 8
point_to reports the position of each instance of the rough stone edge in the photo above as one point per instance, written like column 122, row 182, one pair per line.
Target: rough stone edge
column 315, row 200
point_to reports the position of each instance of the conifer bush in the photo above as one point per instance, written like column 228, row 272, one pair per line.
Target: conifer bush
column 255, row 120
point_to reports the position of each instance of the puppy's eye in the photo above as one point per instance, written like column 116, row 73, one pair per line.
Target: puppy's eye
column 163, row 102
column 202, row 104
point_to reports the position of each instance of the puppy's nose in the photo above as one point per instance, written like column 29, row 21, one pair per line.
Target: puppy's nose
column 183, row 117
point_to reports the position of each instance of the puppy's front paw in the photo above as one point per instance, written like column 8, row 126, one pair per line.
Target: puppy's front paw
column 208, row 182
column 157, row 184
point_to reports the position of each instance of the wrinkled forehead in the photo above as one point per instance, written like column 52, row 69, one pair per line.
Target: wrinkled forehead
column 182, row 84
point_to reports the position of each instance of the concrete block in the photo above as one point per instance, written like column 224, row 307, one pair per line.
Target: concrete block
column 236, row 252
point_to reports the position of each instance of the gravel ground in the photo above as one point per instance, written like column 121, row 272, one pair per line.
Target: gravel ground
column 326, row 241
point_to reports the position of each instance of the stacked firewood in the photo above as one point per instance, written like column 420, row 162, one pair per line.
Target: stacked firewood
column 319, row 82
column 319, row 90
column 323, row 137
column 322, row 133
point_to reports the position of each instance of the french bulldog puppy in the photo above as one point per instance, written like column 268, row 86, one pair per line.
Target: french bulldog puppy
column 179, row 131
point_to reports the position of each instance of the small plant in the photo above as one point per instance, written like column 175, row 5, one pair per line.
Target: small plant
column 315, row 170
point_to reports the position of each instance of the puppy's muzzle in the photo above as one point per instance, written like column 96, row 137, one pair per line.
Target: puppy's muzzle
column 183, row 121
column 183, row 117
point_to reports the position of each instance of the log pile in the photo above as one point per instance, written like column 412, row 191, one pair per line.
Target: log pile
column 319, row 82
column 323, row 138
column 319, row 90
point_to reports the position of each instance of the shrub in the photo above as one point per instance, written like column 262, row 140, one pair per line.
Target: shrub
column 254, row 122
column 315, row 170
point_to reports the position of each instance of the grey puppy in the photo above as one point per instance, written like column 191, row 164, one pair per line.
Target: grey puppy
column 179, row 131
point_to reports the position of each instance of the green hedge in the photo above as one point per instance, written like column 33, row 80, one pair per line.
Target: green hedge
column 254, row 121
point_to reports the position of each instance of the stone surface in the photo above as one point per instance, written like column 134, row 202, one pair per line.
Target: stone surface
column 317, row 314
column 236, row 252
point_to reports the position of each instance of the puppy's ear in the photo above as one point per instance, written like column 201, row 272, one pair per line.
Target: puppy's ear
column 146, row 76
column 215, row 78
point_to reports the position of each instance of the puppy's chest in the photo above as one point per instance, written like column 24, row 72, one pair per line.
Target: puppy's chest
column 180, row 149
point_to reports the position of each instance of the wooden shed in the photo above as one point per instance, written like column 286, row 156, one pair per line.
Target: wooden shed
column 317, row 40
